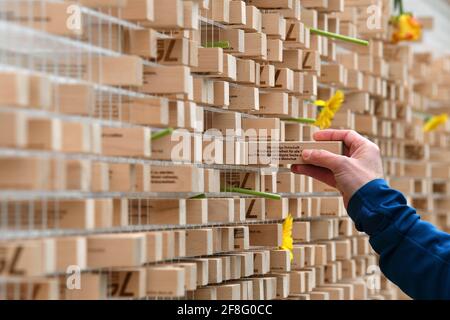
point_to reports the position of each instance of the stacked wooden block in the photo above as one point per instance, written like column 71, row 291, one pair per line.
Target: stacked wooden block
column 89, row 198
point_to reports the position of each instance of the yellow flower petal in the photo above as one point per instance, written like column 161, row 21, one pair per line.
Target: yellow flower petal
column 336, row 101
column 434, row 122
column 407, row 28
column 288, row 242
column 331, row 107
column 320, row 103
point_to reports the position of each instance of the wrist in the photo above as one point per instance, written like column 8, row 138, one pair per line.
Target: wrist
column 350, row 185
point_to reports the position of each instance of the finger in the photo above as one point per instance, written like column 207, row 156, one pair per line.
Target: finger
column 346, row 151
column 318, row 173
column 351, row 139
column 324, row 159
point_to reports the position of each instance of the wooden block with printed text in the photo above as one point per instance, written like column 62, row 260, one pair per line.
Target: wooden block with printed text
column 287, row 152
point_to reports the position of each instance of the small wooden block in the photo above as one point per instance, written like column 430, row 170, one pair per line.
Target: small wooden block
column 13, row 129
column 244, row 98
column 116, row 250
column 143, row 43
column 117, row 71
column 28, row 257
column 44, row 134
column 210, row 60
column 25, row 174
column 182, row 178
column 94, row 287
column 274, row 25
column 265, row 234
column 237, row 12
column 241, row 238
column 165, row 281
column 301, row 231
column 199, row 242
column 54, row 19
column 154, row 246
column 173, row 51
column 275, row 103
column 127, row 283
column 77, row 99
column 167, row 14
column 133, row 142
column 280, row 261
column 287, row 152
column 162, row 80
column 220, row 210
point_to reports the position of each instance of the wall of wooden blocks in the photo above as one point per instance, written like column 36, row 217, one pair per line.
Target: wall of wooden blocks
column 89, row 196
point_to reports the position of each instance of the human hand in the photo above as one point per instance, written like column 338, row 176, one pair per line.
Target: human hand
column 360, row 164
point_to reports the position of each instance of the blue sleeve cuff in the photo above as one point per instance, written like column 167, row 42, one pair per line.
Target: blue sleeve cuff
column 362, row 204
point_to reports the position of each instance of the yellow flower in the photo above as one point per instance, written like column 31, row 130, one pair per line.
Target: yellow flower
column 330, row 108
column 407, row 28
column 435, row 122
column 288, row 242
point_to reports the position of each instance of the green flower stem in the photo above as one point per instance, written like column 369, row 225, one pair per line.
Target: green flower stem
column 252, row 193
column 425, row 115
column 303, row 120
column 339, row 37
column 400, row 4
column 162, row 133
column 199, row 196
column 225, row 44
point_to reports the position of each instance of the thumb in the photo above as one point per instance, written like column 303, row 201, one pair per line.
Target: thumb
column 323, row 158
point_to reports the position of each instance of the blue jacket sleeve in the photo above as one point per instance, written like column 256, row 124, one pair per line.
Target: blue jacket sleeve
column 413, row 254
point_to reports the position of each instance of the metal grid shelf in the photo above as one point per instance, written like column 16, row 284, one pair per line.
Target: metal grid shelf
column 19, row 195
column 106, row 91
column 29, row 41
column 46, row 233
column 23, row 153
column 103, row 89
column 39, row 113
column 47, row 47
column 42, row 42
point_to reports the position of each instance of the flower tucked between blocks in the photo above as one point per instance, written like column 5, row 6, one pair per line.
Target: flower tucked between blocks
column 407, row 28
column 329, row 109
column 288, row 242
column 434, row 122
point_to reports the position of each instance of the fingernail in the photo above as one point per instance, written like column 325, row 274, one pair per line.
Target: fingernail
column 294, row 167
column 306, row 154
